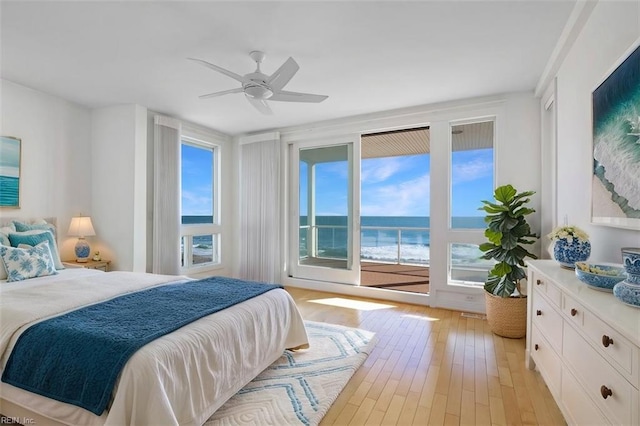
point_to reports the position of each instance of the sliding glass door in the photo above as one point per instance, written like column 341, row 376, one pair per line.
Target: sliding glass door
column 421, row 188
column 324, row 230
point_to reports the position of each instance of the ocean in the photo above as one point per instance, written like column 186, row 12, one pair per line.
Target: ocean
column 9, row 191
column 616, row 139
column 377, row 241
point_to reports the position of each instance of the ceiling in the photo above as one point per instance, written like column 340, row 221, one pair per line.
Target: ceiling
column 366, row 56
column 395, row 143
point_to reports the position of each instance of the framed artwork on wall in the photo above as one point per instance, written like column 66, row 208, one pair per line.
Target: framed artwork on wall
column 615, row 189
column 10, row 158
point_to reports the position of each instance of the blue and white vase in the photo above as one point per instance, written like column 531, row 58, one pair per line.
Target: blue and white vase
column 628, row 291
column 83, row 250
column 568, row 253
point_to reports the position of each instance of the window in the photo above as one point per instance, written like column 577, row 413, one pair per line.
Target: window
column 472, row 180
column 200, row 242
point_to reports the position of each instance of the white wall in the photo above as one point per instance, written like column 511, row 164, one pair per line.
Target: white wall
column 56, row 172
column 119, row 164
column 611, row 29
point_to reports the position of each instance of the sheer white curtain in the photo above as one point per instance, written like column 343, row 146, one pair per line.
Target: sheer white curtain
column 260, row 207
column 166, row 199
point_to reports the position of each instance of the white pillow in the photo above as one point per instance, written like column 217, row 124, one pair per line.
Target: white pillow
column 5, row 230
column 22, row 264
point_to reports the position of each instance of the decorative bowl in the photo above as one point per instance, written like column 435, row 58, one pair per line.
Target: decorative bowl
column 627, row 293
column 600, row 276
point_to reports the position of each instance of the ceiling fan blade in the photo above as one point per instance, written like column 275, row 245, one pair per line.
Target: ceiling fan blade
column 261, row 105
column 285, row 96
column 283, row 75
column 224, row 92
column 219, row 69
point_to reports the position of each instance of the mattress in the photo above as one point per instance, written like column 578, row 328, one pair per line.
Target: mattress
column 178, row 379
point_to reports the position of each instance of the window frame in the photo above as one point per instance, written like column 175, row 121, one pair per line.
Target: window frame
column 189, row 231
column 473, row 236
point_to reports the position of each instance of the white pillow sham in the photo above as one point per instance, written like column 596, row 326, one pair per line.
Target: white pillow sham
column 22, row 264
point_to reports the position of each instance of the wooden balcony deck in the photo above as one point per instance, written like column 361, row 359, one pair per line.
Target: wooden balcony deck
column 391, row 276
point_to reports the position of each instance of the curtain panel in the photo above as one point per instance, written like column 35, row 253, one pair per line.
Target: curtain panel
column 166, row 197
column 260, row 208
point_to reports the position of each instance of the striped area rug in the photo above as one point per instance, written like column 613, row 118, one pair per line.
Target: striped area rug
column 300, row 386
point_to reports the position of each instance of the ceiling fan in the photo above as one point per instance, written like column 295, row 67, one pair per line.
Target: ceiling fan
column 259, row 87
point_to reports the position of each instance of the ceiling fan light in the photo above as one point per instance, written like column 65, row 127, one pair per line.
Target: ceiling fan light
column 258, row 92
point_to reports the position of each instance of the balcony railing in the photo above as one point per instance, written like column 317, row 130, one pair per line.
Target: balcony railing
column 401, row 245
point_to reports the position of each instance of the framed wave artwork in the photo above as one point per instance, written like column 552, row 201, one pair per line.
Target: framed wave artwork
column 10, row 153
column 615, row 190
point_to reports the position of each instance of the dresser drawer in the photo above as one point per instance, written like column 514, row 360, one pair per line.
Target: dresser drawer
column 579, row 408
column 598, row 375
column 573, row 310
column 548, row 288
column 547, row 360
column 548, row 320
column 612, row 346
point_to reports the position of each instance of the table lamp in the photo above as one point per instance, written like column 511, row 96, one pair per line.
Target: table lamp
column 81, row 227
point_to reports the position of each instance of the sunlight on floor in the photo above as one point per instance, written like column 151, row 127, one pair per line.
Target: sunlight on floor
column 352, row 304
column 420, row 317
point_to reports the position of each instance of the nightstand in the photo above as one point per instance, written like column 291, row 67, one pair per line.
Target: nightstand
column 102, row 265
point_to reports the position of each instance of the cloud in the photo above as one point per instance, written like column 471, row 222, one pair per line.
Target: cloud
column 378, row 170
column 9, row 153
column 198, row 202
column 473, row 169
column 407, row 198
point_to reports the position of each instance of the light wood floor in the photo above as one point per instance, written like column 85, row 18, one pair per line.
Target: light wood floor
column 432, row 367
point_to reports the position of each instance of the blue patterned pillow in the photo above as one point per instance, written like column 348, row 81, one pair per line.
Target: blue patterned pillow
column 33, row 262
column 35, row 237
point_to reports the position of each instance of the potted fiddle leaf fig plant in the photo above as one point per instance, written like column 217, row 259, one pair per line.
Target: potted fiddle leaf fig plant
column 507, row 233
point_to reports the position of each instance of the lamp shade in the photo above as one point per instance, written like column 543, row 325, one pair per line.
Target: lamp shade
column 81, row 226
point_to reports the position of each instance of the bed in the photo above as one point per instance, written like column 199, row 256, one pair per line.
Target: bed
column 180, row 378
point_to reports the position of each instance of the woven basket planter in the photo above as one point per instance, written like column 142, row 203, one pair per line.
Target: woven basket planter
column 507, row 316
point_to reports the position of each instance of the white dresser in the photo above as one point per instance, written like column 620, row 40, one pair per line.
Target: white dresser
column 586, row 345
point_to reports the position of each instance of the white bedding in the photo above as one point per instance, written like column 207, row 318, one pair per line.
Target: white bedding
column 179, row 379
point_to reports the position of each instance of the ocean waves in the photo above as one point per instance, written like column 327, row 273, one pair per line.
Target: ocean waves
column 9, row 191
column 617, row 158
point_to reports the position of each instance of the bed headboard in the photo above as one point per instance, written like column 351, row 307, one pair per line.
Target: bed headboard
column 51, row 220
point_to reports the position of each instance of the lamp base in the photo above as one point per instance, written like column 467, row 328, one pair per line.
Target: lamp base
column 82, row 250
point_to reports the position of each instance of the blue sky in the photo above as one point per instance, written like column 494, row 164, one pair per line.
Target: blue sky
column 399, row 186
column 472, row 177
column 391, row 186
column 9, row 157
column 197, row 181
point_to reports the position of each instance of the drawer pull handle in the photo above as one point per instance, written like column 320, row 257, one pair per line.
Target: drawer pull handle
column 606, row 341
column 574, row 312
column 538, row 282
column 605, row 391
column 538, row 312
column 536, row 347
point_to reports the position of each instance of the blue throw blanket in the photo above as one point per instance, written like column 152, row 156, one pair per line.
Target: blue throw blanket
column 77, row 357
